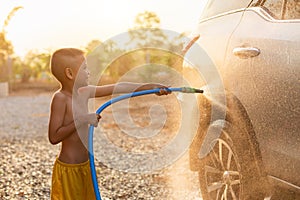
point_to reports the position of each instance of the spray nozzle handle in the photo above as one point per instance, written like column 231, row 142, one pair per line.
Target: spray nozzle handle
column 191, row 90
column 198, row 90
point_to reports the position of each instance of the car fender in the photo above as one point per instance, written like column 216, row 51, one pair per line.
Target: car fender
column 215, row 116
column 213, row 132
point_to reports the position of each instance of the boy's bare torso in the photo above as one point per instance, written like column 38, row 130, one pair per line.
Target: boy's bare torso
column 74, row 147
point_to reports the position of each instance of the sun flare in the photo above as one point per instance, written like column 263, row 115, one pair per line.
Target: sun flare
column 47, row 25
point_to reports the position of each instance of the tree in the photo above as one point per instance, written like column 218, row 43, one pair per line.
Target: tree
column 150, row 46
column 146, row 31
column 35, row 64
column 92, row 45
column 99, row 56
column 158, row 47
column 6, row 48
column 147, row 20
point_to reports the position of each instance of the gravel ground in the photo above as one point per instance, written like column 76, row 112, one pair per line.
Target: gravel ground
column 27, row 157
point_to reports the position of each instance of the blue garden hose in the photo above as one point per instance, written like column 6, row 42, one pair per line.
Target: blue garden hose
column 108, row 103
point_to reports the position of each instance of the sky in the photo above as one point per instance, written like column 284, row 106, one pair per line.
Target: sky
column 51, row 24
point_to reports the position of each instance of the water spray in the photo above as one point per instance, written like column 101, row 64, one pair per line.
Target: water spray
column 114, row 100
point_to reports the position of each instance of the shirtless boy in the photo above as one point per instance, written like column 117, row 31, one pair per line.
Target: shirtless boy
column 69, row 120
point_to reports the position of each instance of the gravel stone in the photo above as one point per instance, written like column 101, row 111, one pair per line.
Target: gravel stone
column 27, row 157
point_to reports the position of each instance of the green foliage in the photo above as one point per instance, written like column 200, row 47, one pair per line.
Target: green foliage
column 92, row 45
column 6, row 49
column 147, row 20
column 104, row 58
column 100, row 57
column 146, row 31
column 150, row 48
column 33, row 65
column 157, row 48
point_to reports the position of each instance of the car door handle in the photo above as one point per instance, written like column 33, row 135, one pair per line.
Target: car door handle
column 246, row 52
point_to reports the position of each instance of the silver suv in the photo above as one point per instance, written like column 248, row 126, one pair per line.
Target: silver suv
column 246, row 56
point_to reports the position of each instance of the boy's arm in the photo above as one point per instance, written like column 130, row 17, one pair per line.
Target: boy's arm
column 122, row 87
column 56, row 130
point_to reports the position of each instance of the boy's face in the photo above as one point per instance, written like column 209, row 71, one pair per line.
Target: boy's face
column 82, row 72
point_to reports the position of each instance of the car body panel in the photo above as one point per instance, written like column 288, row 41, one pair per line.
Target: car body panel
column 258, row 64
column 268, row 87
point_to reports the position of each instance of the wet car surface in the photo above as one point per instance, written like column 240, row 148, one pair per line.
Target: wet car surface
column 245, row 55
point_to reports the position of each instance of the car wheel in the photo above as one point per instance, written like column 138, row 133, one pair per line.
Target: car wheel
column 230, row 170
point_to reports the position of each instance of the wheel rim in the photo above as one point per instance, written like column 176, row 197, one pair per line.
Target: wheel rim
column 222, row 173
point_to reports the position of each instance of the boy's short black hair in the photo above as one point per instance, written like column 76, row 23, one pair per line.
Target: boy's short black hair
column 61, row 59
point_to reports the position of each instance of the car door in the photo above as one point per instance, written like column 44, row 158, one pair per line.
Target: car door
column 217, row 22
column 262, row 69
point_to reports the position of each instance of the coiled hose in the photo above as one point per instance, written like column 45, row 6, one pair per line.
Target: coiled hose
column 114, row 100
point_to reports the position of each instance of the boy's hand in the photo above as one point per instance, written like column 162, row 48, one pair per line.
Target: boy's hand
column 92, row 119
column 163, row 91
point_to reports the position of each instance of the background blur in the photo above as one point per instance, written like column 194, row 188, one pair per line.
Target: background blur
column 32, row 30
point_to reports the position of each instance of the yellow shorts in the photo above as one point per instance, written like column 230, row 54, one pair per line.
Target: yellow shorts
column 72, row 182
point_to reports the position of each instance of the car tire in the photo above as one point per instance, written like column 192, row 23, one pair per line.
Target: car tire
column 231, row 170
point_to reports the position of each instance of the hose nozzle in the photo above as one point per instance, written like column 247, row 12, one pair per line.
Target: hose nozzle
column 191, row 90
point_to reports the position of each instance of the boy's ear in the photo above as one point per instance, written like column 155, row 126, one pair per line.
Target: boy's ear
column 69, row 73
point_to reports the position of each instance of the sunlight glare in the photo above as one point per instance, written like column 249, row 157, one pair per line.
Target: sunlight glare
column 53, row 24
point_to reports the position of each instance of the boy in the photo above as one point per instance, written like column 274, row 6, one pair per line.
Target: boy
column 69, row 120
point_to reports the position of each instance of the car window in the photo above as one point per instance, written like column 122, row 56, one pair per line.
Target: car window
column 214, row 7
column 283, row 9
